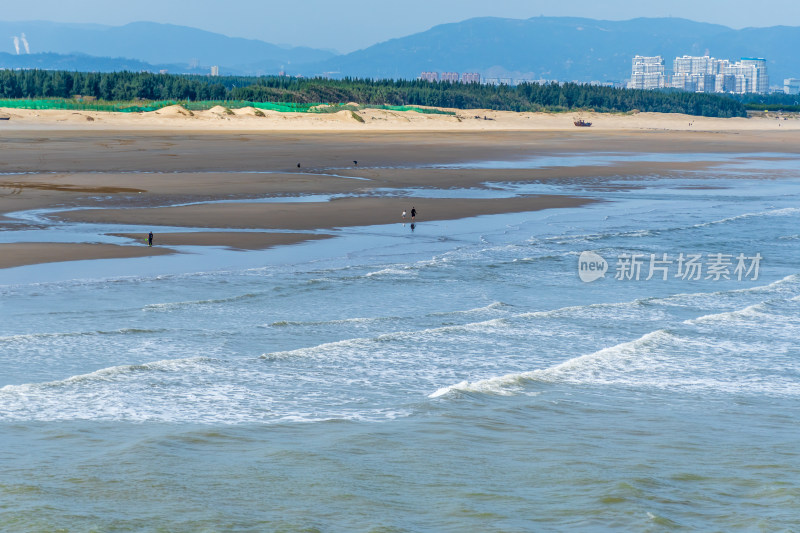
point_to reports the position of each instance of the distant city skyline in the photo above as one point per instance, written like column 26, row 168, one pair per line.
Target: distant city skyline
column 348, row 25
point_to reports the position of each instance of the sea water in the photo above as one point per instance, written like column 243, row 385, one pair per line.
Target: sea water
column 454, row 376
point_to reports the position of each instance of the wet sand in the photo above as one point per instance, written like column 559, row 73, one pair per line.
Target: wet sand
column 319, row 215
column 147, row 177
column 30, row 253
column 227, row 239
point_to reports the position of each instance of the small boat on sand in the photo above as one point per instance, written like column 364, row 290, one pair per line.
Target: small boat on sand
column 582, row 123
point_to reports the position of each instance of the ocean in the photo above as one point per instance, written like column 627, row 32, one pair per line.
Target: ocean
column 457, row 376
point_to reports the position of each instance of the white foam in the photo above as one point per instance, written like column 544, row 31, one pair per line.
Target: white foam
column 787, row 211
column 785, row 284
column 499, row 385
column 577, row 309
column 57, row 335
column 569, row 239
column 168, row 306
column 407, row 271
column 319, row 349
column 354, row 320
column 751, row 311
column 196, row 389
column 696, row 359
column 36, row 336
column 330, row 348
column 505, row 323
column 109, row 374
column 494, row 306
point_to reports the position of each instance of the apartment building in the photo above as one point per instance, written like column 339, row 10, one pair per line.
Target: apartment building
column 705, row 74
column 452, row 77
column 757, row 78
column 647, row 73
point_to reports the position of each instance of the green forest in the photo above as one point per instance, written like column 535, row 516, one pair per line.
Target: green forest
column 770, row 102
column 144, row 86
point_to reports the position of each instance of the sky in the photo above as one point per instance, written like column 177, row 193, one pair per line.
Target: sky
column 347, row 25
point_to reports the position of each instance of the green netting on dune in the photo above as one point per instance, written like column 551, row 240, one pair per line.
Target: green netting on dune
column 139, row 107
column 77, row 105
column 202, row 105
column 424, row 110
column 282, row 107
column 285, row 108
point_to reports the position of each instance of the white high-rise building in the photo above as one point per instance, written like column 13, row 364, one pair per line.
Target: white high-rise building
column 701, row 74
column 683, row 81
column 747, row 76
column 695, row 65
column 708, row 74
column 791, row 86
column 647, row 73
column 759, row 79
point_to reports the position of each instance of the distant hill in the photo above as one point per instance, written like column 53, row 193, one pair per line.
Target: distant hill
column 564, row 48
column 85, row 63
column 550, row 48
column 156, row 44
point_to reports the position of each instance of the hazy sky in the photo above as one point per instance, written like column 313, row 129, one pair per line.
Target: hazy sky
column 347, row 25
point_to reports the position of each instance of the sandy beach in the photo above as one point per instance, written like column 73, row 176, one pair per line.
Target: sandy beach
column 246, row 119
column 162, row 169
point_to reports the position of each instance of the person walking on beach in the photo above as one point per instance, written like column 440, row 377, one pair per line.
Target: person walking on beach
column 150, row 239
column 413, row 213
column 404, row 214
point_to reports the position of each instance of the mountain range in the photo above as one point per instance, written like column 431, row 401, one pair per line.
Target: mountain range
column 551, row 48
column 180, row 47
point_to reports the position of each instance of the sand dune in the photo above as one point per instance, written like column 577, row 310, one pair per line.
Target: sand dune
column 248, row 119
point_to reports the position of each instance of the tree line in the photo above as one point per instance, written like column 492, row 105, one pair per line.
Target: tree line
column 770, row 102
column 136, row 86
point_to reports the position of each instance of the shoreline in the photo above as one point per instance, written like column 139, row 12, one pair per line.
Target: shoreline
column 234, row 180
column 240, row 219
